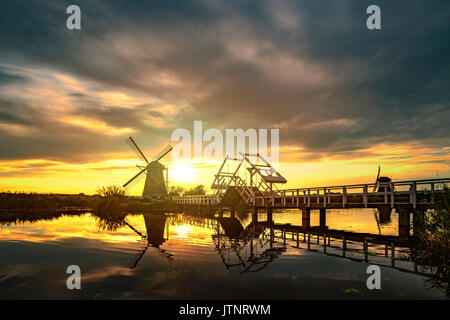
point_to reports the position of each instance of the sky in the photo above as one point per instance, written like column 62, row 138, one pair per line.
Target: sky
column 345, row 99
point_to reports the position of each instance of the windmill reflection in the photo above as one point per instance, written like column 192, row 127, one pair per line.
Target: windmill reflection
column 155, row 225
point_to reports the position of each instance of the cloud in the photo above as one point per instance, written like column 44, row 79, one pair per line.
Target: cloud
column 310, row 68
column 8, row 76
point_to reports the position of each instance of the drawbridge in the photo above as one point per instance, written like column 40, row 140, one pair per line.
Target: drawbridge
column 252, row 181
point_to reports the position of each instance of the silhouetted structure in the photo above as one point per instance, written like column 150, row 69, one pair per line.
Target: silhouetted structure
column 155, row 225
column 155, row 186
column 254, row 187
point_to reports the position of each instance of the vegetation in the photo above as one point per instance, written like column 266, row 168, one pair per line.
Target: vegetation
column 108, row 199
column 176, row 191
column 109, row 221
column 111, row 192
column 197, row 190
column 138, row 205
column 112, row 198
column 433, row 231
column 180, row 191
column 43, row 201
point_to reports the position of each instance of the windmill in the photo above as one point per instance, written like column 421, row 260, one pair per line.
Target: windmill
column 155, row 186
column 381, row 180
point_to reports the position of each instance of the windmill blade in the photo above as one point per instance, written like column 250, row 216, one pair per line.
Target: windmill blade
column 136, row 181
column 136, row 149
column 164, row 151
column 376, row 180
column 132, row 179
column 135, row 260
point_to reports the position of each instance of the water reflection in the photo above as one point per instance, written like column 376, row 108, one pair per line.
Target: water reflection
column 192, row 256
column 155, row 225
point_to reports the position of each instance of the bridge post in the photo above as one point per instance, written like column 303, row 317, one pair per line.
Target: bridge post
column 255, row 215
column 269, row 214
column 404, row 223
column 392, row 254
column 306, row 218
column 323, row 217
column 233, row 213
column 309, row 240
column 272, row 236
column 344, row 246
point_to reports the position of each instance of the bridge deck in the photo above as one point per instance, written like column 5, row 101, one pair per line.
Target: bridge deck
column 415, row 193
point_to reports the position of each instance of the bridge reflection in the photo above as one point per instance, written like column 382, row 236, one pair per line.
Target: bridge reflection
column 253, row 247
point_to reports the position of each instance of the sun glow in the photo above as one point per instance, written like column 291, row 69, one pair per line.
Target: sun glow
column 182, row 230
column 181, row 172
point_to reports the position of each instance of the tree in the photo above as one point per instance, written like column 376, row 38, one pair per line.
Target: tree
column 111, row 192
column 176, row 191
column 197, row 190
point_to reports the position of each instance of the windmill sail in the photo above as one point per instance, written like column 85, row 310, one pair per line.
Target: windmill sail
column 164, row 151
column 132, row 179
column 154, row 186
column 134, row 182
column 376, row 180
column 130, row 141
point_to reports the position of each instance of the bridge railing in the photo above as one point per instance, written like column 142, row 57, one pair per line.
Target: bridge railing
column 392, row 193
column 207, row 199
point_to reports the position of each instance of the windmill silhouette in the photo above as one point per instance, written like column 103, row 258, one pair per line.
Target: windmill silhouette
column 383, row 181
column 155, row 186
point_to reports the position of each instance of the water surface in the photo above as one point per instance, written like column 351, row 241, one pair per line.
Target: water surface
column 175, row 256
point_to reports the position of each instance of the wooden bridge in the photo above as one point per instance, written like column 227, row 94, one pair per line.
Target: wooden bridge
column 252, row 181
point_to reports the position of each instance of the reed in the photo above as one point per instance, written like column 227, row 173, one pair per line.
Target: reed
column 432, row 248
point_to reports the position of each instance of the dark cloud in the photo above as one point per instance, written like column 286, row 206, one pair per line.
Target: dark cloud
column 9, row 77
column 308, row 67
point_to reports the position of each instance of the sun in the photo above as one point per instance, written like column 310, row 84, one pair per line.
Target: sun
column 181, row 172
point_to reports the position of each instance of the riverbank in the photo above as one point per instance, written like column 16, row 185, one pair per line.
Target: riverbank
column 50, row 204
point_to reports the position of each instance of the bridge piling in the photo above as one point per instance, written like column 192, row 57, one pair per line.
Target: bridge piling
column 366, row 250
column 392, row 254
column 309, row 240
column 254, row 214
column 269, row 214
column 344, row 246
column 323, row 217
column 306, row 218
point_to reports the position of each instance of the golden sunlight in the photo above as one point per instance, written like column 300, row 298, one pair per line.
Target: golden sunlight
column 181, row 172
column 97, row 126
column 182, row 230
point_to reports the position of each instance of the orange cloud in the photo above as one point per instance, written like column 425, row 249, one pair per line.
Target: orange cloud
column 97, row 126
